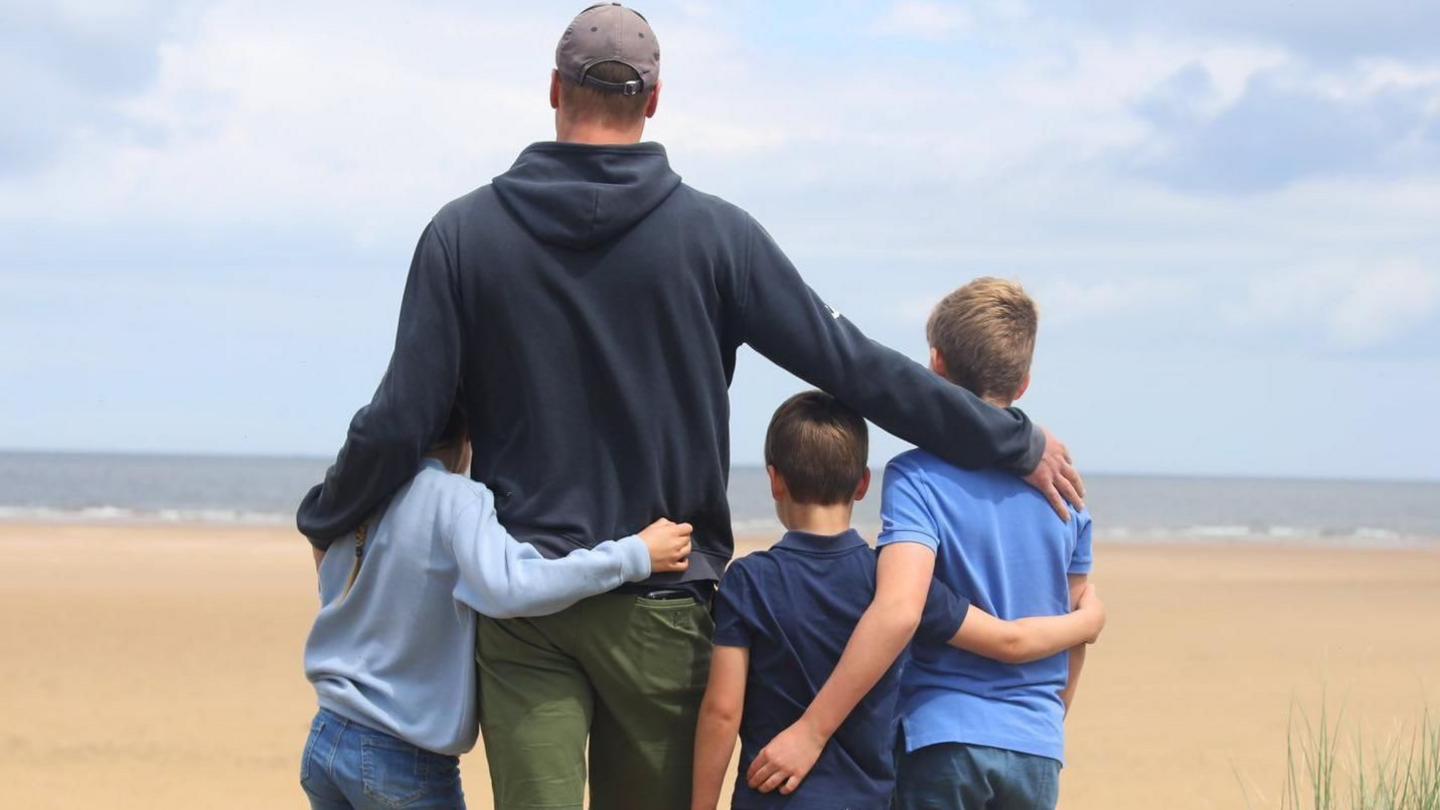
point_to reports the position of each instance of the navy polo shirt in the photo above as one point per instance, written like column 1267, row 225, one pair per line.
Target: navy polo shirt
column 794, row 607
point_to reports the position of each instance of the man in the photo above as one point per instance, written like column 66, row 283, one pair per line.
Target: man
column 586, row 307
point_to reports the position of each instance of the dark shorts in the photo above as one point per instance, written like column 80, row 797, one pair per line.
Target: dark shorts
column 951, row 776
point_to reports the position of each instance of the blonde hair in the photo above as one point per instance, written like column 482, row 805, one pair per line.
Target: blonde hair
column 985, row 333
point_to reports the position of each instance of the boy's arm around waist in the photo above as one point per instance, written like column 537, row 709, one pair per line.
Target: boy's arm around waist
column 387, row 437
column 502, row 577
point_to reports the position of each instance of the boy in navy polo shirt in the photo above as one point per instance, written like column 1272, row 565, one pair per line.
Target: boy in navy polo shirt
column 783, row 617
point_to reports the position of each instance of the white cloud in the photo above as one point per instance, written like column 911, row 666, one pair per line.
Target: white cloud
column 1352, row 307
column 1385, row 303
column 919, row 19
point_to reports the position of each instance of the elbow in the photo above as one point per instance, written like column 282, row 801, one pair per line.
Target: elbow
column 718, row 713
column 901, row 618
column 1014, row 648
column 505, row 606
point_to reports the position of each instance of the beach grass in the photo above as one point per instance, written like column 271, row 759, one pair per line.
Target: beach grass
column 1330, row 768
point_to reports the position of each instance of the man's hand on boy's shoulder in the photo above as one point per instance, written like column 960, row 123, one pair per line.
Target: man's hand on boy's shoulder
column 1057, row 479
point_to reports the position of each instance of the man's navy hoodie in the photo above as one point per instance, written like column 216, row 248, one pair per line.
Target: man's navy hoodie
column 586, row 307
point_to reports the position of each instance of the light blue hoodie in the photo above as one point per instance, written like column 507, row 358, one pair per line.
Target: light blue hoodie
column 397, row 653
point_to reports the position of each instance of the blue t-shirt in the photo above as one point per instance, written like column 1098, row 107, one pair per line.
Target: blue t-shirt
column 997, row 541
column 794, row 607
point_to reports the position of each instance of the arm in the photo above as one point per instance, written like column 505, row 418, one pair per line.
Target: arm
column 1024, row 640
column 783, row 319
column 719, row 724
column 902, row 583
column 1078, row 587
column 388, row 436
column 502, row 577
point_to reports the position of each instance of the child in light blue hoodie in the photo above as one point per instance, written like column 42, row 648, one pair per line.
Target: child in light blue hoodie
column 392, row 652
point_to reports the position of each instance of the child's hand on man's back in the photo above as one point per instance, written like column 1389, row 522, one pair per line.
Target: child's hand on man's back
column 669, row 545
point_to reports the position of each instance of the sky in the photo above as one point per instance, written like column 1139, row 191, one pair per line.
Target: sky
column 1226, row 210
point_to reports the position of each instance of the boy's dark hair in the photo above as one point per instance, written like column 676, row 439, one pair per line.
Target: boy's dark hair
column 612, row 109
column 819, row 447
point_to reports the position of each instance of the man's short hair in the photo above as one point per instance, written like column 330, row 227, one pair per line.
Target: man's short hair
column 985, row 332
column 612, row 109
column 819, row 447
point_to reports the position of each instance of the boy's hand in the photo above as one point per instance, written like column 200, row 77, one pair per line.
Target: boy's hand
column 787, row 760
column 1089, row 602
column 1057, row 479
column 669, row 545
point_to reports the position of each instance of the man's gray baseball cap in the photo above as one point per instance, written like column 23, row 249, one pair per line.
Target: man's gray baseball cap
column 609, row 32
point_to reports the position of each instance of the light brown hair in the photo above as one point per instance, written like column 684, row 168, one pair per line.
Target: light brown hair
column 612, row 109
column 985, row 333
column 819, row 447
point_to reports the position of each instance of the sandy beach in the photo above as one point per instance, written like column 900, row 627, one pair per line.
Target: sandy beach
column 159, row 667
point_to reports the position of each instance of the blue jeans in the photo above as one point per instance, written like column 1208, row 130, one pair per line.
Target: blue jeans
column 347, row 766
column 951, row 776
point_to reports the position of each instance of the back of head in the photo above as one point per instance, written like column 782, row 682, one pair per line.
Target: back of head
column 985, row 333
column 582, row 102
column 820, row 447
column 608, row 61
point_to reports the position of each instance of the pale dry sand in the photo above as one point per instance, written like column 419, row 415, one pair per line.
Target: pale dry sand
column 160, row 667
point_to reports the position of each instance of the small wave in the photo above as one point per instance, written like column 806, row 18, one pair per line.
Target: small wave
column 1357, row 537
column 120, row 514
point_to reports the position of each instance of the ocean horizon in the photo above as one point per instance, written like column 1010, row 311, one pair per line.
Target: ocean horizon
column 112, row 487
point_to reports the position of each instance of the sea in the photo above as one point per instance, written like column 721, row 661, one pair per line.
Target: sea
column 136, row 488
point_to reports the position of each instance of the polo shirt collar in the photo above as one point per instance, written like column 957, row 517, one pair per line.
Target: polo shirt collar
column 821, row 543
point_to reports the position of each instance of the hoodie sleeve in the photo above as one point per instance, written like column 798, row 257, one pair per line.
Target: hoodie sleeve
column 503, row 578
column 785, row 320
column 409, row 409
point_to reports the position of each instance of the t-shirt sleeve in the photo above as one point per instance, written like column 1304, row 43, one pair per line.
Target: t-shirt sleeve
column 733, row 608
column 904, row 515
column 944, row 613
column 1083, row 559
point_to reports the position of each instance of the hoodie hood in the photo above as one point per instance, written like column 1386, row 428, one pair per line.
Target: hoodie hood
column 579, row 196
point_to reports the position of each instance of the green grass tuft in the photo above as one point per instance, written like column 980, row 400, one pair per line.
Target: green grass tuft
column 1399, row 774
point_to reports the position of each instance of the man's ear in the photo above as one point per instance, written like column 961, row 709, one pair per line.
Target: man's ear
column 777, row 484
column 864, row 486
column 555, row 89
column 654, row 101
column 937, row 363
column 1024, row 386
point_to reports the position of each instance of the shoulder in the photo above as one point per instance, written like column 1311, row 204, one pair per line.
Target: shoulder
column 452, row 492
column 715, row 213
column 462, row 214
column 748, row 573
column 935, row 472
column 460, row 208
column 910, row 463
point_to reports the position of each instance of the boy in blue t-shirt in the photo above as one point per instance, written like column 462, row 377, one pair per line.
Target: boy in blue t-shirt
column 977, row 734
column 783, row 617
